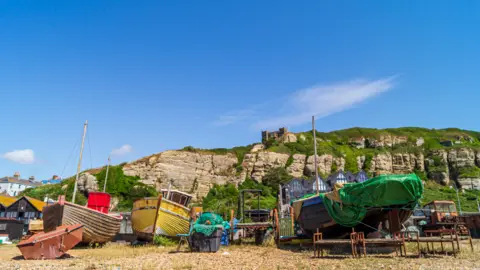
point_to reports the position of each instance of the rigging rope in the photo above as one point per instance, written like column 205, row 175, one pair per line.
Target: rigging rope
column 89, row 149
column 69, row 157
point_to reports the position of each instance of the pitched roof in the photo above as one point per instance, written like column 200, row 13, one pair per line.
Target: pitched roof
column 14, row 180
column 36, row 203
column 6, row 201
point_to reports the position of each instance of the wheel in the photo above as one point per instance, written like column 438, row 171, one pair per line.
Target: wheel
column 259, row 237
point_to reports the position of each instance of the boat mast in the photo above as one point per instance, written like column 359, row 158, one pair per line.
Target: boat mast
column 80, row 161
column 106, row 176
column 315, row 153
column 168, row 191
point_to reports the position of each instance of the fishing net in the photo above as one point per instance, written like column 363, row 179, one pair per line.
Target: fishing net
column 208, row 223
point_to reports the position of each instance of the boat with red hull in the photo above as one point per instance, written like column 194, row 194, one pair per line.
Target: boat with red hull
column 53, row 244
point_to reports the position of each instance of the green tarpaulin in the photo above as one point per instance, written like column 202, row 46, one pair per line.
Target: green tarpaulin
column 349, row 206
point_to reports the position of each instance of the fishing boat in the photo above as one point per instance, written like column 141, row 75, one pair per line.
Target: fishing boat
column 99, row 226
column 381, row 202
column 51, row 245
column 144, row 213
column 173, row 215
column 367, row 206
column 170, row 214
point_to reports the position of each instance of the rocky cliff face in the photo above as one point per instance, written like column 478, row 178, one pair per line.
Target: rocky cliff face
column 196, row 172
column 187, row 171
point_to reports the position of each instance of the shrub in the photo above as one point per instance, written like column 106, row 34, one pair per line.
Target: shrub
column 161, row 240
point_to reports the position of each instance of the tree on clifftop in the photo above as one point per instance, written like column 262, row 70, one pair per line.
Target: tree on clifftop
column 276, row 176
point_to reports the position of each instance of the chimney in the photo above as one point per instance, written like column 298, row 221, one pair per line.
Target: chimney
column 16, row 175
column 31, row 178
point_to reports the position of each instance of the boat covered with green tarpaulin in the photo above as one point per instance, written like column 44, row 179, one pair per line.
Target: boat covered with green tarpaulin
column 365, row 206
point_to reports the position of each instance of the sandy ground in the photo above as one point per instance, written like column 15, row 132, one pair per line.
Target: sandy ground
column 233, row 257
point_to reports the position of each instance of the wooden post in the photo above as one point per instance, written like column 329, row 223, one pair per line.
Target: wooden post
column 292, row 218
column 159, row 200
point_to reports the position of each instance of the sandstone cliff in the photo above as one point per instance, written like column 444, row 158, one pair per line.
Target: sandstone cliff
column 196, row 171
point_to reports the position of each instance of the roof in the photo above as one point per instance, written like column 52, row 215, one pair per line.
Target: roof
column 36, row 203
column 335, row 175
column 6, row 201
column 51, row 181
column 14, row 180
column 176, row 191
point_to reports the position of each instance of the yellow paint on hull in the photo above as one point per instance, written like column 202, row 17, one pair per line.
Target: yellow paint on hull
column 172, row 219
column 143, row 217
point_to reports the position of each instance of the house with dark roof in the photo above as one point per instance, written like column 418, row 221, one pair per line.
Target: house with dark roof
column 12, row 186
column 339, row 177
column 321, row 184
column 23, row 209
column 361, row 177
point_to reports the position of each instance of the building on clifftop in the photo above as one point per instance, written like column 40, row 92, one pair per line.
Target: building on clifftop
column 267, row 135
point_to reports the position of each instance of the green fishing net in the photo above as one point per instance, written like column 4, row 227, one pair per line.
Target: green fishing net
column 209, row 222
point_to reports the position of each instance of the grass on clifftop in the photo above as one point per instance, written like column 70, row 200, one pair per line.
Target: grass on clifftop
column 434, row 191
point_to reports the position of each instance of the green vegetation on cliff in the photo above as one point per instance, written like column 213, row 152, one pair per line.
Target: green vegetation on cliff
column 468, row 198
column 53, row 191
column 222, row 198
column 124, row 188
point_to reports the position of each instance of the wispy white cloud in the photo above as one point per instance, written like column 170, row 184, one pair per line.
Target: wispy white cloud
column 324, row 100
column 234, row 117
column 122, row 150
column 25, row 156
column 298, row 108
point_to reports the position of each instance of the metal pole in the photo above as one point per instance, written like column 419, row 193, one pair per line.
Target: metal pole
column 106, row 176
column 315, row 153
column 458, row 199
column 79, row 167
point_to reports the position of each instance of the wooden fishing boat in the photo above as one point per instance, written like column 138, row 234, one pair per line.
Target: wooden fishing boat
column 170, row 215
column 144, row 213
column 99, row 227
column 51, row 245
column 173, row 215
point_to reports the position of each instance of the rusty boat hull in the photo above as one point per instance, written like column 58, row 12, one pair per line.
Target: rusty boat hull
column 53, row 244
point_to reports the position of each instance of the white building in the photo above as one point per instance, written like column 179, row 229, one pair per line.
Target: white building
column 12, row 186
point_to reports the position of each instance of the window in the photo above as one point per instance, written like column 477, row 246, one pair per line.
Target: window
column 341, row 179
column 445, row 207
column 361, row 177
column 2, row 214
column 11, row 214
column 321, row 185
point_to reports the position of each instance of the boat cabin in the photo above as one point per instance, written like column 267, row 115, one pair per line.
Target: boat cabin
column 436, row 211
column 176, row 196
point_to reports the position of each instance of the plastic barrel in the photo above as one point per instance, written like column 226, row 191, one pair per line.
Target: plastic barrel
column 206, row 243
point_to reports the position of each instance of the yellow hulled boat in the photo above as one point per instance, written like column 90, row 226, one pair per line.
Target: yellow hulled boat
column 144, row 212
column 169, row 213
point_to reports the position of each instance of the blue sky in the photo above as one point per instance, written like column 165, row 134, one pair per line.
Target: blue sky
column 152, row 75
